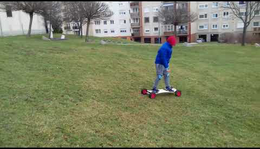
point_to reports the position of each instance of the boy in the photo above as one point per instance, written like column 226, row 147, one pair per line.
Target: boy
column 162, row 63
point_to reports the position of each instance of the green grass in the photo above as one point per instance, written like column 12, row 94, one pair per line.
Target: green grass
column 75, row 94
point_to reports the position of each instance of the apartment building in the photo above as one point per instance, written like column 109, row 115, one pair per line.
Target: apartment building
column 147, row 27
column 214, row 20
column 117, row 25
column 17, row 23
column 145, row 23
column 139, row 21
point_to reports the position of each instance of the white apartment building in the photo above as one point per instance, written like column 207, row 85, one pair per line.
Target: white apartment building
column 17, row 23
column 117, row 25
column 214, row 20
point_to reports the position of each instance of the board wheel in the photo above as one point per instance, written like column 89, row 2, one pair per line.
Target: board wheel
column 144, row 91
column 152, row 95
column 178, row 93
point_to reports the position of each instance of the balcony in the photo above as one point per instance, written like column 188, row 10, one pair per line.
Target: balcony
column 256, row 29
column 182, row 32
column 135, row 15
column 136, row 34
column 75, row 28
column 67, row 28
column 179, row 32
column 134, row 3
column 169, row 33
column 135, row 24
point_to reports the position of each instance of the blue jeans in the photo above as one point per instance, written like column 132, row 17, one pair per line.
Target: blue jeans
column 161, row 71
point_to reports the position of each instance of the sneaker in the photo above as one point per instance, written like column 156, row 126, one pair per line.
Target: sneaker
column 155, row 90
column 169, row 89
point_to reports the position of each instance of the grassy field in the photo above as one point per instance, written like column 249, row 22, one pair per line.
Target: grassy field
column 75, row 94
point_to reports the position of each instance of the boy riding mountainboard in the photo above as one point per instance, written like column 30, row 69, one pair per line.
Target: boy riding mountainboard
column 162, row 70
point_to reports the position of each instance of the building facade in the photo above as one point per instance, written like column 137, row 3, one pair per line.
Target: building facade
column 117, row 25
column 215, row 20
column 17, row 23
column 139, row 21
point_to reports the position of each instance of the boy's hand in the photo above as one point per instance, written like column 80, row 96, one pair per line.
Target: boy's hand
column 167, row 69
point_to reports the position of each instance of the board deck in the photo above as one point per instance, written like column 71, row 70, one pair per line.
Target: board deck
column 161, row 91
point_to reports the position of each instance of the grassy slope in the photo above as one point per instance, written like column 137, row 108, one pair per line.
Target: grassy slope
column 70, row 93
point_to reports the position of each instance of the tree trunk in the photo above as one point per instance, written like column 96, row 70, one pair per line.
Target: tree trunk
column 80, row 30
column 175, row 30
column 46, row 26
column 50, row 30
column 175, row 25
column 30, row 24
column 244, row 35
column 88, row 23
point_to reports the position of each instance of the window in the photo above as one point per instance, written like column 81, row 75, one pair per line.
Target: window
column 214, row 26
column 122, row 30
column 112, row 22
column 215, row 15
column 214, row 4
column 240, row 25
column 135, row 20
column 146, row 10
column 183, row 5
column 203, row 6
column 105, row 22
column 135, row 10
column 241, row 2
column 168, row 28
column 155, row 29
column 122, row 12
column 242, row 13
column 98, row 31
column 155, row 9
column 136, row 30
column 226, row 4
column 225, row 26
column 257, row 12
column 97, row 22
column 67, row 27
column 202, row 27
column 9, row 11
column 146, row 19
column 112, row 31
column 105, row 31
column 256, row 24
column 155, row 19
column 203, row 16
column 147, row 30
column 225, row 14
column 122, row 21
column 75, row 26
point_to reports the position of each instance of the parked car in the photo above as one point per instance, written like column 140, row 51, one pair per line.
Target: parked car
column 200, row 40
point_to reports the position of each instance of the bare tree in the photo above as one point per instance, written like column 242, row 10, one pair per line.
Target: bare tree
column 176, row 14
column 245, row 12
column 53, row 14
column 94, row 10
column 84, row 12
column 28, row 7
column 72, row 13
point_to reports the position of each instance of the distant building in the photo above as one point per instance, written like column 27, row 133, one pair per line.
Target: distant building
column 214, row 20
column 17, row 23
column 117, row 25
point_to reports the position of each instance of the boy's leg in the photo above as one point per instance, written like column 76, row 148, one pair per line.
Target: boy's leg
column 159, row 74
column 167, row 80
